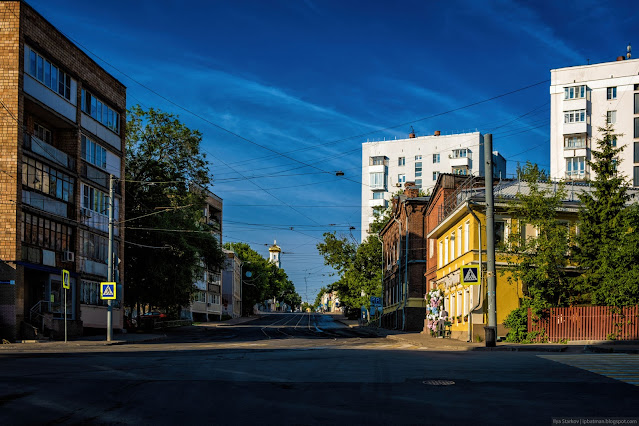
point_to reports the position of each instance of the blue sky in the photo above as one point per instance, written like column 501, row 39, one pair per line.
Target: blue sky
column 314, row 79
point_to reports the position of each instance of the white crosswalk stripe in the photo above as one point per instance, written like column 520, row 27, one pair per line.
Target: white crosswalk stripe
column 623, row 367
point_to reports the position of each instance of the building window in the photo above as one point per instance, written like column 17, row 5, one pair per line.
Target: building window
column 377, row 161
column 42, row 133
column 575, row 141
column 93, row 153
column 452, row 246
column 418, row 157
column 459, row 241
column 611, row 117
column 635, row 175
column 575, row 167
column 100, row 111
column 418, row 183
column 435, row 175
column 636, row 103
column 95, row 247
column 39, row 176
column 377, row 180
column 199, row 296
column 500, row 232
column 441, row 252
column 575, row 92
column 401, row 161
column 378, row 195
column 95, row 200
column 636, row 152
column 49, row 75
column 466, row 235
column 46, row 233
column 575, row 116
column 401, row 178
column 418, row 169
column 446, row 250
column 460, row 153
column 460, row 170
column 436, row 158
column 636, row 133
column 611, row 93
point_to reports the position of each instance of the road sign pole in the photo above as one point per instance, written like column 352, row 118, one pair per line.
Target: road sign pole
column 110, row 260
column 65, row 314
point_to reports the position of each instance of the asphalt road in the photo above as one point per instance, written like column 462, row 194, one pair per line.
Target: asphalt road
column 307, row 369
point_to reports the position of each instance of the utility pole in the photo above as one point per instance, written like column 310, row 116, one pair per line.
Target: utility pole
column 110, row 259
column 491, row 329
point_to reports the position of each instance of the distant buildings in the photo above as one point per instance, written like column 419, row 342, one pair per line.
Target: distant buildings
column 274, row 253
column 61, row 136
column 387, row 165
column 232, row 285
column 583, row 98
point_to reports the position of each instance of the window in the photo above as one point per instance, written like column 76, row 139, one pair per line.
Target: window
column 575, row 141
column 431, row 248
column 42, row 133
column 460, row 153
column 636, row 103
column 38, row 176
column 49, row 75
column 441, row 249
column 401, row 178
column 575, row 116
column 46, row 233
column 95, row 200
column 418, row 157
column 466, row 235
column 446, row 250
column 377, row 180
column 611, row 117
column 575, row 92
column 613, row 141
column 100, row 111
column 93, row 153
column 418, row 169
column 636, row 152
column 452, row 246
column 418, row 183
column 461, row 170
column 199, row 296
column 459, row 241
column 401, row 161
column 636, row 133
column 635, row 176
column 611, row 93
column 500, row 232
column 377, row 161
column 378, row 195
column 435, row 175
column 436, row 158
column 575, row 167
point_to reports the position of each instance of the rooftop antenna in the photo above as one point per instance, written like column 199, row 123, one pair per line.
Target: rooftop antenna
column 629, row 50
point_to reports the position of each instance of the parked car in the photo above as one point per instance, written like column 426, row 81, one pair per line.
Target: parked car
column 155, row 315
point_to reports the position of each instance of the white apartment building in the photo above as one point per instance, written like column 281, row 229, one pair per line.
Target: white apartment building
column 387, row 165
column 583, row 99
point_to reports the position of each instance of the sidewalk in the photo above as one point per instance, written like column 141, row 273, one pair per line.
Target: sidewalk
column 431, row 343
column 84, row 341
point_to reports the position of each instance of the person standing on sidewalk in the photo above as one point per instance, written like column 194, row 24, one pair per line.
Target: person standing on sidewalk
column 443, row 317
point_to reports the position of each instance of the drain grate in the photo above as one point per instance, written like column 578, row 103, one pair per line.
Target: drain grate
column 438, row 382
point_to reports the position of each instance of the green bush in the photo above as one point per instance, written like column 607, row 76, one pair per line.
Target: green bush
column 517, row 323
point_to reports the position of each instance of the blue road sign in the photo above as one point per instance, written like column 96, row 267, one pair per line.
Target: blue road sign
column 107, row 291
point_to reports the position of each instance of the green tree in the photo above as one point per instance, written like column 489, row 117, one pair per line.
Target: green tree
column 603, row 244
column 539, row 263
column 266, row 281
column 163, row 166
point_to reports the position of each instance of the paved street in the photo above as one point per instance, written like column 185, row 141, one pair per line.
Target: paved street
column 306, row 369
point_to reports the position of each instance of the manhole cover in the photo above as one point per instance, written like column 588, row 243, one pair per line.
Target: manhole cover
column 438, row 382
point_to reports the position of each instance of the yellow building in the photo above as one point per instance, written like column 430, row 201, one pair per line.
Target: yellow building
column 458, row 241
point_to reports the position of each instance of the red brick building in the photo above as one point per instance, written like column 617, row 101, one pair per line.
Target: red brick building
column 405, row 254
column 61, row 136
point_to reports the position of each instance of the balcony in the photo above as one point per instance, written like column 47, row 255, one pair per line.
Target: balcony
column 47, row 151
column 581, row 152
column 460, row 162
column 51, row 99
column 574, row 128
column 378, row 203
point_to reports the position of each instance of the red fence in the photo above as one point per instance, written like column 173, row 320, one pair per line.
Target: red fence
column 586, row 323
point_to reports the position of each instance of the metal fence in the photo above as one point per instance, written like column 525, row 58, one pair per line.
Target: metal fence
column 586, row 323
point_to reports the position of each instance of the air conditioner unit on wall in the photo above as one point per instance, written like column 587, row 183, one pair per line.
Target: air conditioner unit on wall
column 68, row 256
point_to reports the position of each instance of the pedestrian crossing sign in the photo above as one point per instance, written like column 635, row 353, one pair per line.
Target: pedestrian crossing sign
column 470, row 275
column 66, row 279
column 107, row 291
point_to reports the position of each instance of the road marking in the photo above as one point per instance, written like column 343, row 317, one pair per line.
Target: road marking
column 622, row 367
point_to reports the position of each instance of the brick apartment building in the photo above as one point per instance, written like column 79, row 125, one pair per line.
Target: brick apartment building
column 61, row 136
column 405, row 254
